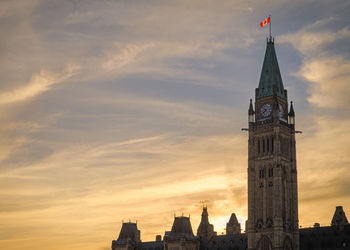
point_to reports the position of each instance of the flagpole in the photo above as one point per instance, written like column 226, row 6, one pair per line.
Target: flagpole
column 270, row 26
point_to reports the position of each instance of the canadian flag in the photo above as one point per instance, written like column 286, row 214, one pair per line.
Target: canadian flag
column 266, row 21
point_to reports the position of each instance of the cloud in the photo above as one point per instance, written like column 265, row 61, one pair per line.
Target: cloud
column 329, row 78
column 310, row 42
column 107, row 182
column 324, row 161
column 38, row 84
column 323, row 169
column 144, row 134
column 7, row 146
column 127, row 55
column 327, row 72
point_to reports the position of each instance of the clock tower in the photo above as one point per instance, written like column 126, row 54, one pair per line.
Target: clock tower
column 272, row 174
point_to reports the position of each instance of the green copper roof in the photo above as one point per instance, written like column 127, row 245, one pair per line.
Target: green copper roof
column 270, row 74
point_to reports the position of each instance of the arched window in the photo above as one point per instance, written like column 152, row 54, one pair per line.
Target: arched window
column 263, row 145
column 268, row 145
column 258, row 146
column 272, row 144
column 262, row 173
column 287, row 244
column 264, row 243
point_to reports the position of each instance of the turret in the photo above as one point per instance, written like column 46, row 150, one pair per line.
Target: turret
column 291, row 115
column 233, row 227
column 205, row 229
column 339, row 217
column 251, row 112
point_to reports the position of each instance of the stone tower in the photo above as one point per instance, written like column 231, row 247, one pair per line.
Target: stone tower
column 233, row 226
column 339, row 218
column 272, row 174
column 205, row 229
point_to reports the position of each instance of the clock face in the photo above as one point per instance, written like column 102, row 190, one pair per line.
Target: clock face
column 265, row 110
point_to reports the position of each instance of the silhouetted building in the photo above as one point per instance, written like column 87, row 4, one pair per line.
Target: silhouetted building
column 339, row 217
column 205, row 229
column 233, row 226
column 129, row 237
column 181, row 236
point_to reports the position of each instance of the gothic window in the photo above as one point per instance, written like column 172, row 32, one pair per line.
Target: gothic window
column 268, row 145
column 259, row 223
column 272, row 145
column 263, row 146
column 269, row 222
column 258, row 146
column 264, row 243
column 287, row 244
column 270, row 172
column 262, row 173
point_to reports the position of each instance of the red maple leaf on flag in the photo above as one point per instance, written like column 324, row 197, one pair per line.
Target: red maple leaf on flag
column 266, row 21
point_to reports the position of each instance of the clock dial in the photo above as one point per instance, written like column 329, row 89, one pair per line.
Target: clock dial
column 265, row 110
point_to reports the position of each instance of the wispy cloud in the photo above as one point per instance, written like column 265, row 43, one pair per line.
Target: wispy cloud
column 126, row 56
column 38, row 84
column 325, row 158
column 151, row 125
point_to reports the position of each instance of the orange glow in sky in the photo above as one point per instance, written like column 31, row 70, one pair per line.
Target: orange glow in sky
column 118, row 110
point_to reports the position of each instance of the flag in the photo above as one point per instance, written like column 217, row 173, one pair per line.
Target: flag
column 266, row 21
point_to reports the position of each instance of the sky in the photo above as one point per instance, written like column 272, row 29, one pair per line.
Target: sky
column 132, row 110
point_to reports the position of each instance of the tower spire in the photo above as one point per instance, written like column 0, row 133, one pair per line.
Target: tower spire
column 205, row 229
column 251, row 112
column 270, row 74
column 291, row 115
column 291, row 111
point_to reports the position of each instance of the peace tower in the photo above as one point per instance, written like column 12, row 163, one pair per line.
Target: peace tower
column 272, row 174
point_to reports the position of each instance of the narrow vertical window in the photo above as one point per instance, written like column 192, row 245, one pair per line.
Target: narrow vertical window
column 263, row 146
column 268, row 145
column 258, row 146
column 272, row 145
